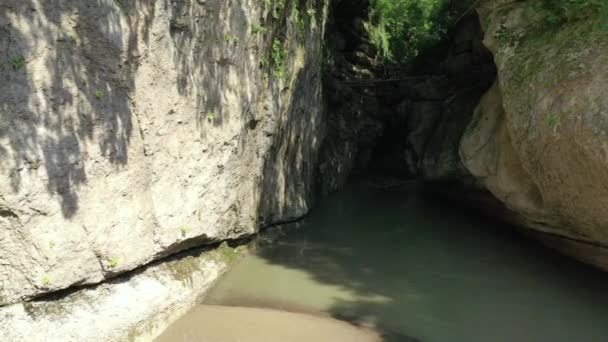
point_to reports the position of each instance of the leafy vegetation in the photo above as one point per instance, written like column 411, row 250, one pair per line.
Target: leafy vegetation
column 257, row 29
column 552, row 120
column 98, row 94
column 279, row 60
column 279, row 6
column 18, row 62
column 210, row 116
column 264, row 61
column 186, row 229
column 230, row 39
column 113, row 262
column 545, row 50
column 401, row 29
column 227, row 254
column 554, row 13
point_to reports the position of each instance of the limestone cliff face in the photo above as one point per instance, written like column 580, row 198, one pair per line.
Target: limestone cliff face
column 133, row 129
column 538, row 140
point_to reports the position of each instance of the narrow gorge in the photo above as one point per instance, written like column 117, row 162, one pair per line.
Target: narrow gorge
column 149, row 147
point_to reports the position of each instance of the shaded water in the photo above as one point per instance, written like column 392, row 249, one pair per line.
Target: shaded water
column 413, row 267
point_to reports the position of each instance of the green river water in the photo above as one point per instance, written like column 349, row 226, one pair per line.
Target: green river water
column 417, row 270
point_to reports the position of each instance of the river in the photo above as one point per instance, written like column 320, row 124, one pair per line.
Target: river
column 411, row 269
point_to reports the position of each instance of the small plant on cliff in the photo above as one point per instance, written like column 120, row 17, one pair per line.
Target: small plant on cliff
column 257, row 29
column 278, row 9
column 186, row 229
column 264, row 62
column 210, row 116
column 297, row 18
column 231, row 39
column 46, row 281
column 18, row 62
column 554, row 13
column 98, row 94
column 52, row 244
column 553, row 120
column 113, row 262
column 279, row 60
column 226, row 253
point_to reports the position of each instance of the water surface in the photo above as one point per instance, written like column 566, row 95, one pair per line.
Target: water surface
column 421, row 270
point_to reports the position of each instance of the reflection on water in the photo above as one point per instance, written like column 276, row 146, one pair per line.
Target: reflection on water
column 413, row 267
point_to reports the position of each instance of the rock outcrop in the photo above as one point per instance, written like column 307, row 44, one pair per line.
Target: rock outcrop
column 132, row 130
column 352, row 111
column 538, row 140
column 433, row 105
column 534, row 149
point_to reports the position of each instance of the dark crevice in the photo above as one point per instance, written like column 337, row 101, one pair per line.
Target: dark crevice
column 399, row 125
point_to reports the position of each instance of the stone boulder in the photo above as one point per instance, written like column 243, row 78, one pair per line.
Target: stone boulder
column 538, row 140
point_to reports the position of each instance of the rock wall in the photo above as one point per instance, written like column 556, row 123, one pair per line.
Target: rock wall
column 398, row 121
column 432, row 106
column 137, row 306
column 538, row 140
column 533, row 150
column 352, row 112
column 131, row 130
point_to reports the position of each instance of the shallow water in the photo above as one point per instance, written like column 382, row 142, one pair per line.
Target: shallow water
column 238, row 324
column 414, row 267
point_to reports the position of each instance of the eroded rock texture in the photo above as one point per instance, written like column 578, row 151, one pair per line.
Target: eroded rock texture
column 133, row 129
column 538, row 141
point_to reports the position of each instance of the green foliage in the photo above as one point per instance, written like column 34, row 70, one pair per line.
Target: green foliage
column 227, row 254
column 554, row 13
column 230, row 39
column 113, row 262
column 264, row 62
column 279, row 60
column 52, row 244
column 299, row 20
column 279, row 6
column 186, row 229
column 98, row 94
column 210, row 116
column 553, row 120
column 18, row 62
column 257, row 29
column 401, row 29
column 46, row 281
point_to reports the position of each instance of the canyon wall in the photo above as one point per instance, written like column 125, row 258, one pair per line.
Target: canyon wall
column 538, row 140
column 533, row 149
column 132, row 130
